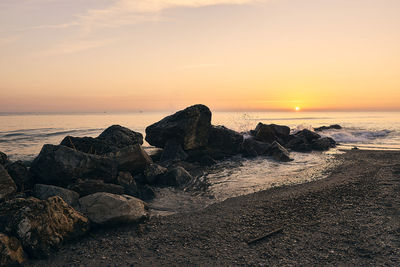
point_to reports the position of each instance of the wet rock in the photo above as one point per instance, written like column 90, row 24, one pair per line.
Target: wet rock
column 144, row 192
column 11, row 252
column 173, row 151
column 43, row 192
column 132, row 158
column 88, row 187
column 224, row 140
column 177, row 176
column 20, row 174
column 307, row 135
column 271, row 132
column 126, row 180
column 60, row 165
column 111, row 140
column 333, row 126
column 153, row 172
column 106, row 208
column 7, row 185
column 3, row 159
column 323, row 144
column 298, row 144
column 41, row 225
column 278, row 152
column 190, row 127
column 253, row 148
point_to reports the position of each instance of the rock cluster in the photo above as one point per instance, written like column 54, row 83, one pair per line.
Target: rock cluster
column 90, row 182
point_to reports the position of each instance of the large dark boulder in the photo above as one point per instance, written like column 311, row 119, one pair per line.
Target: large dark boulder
column 41, row 225
column 224, row 140
column 302, row 140
column 7, row 185
column 307, row 135
column 61, row 165
column 110, row 140
column 253, row 148
column 131, row 158
column 20, row 174
column 190, row 127
column 278, row 152
column 177, row 176
column 153, row 172
column 173, row 151
column 3, row 159
column 88, row 187
column 271, row 132
column 323, row 144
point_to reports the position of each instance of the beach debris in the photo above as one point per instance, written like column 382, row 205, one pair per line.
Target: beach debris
column 189, row 127
column 255, row 240
column 11, row 251
column 43, row 192
column 41, row 225
column 110, row 209
column 7, row 185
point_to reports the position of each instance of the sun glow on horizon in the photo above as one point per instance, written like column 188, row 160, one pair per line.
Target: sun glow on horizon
column 297, row 108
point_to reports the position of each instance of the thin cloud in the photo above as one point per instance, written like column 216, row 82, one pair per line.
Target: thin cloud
column 75, row 47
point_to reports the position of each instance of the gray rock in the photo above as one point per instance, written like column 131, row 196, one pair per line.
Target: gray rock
column 60, row 165
column 153, row 172
column 106, row 208
column 190, row 127
column 20, row 174
column 88, row 187
column 11, row 251
column 7, row 185
column 278, row 152
column 41, row 225
column 271, row 132
column 132, row 158
column 43, row 192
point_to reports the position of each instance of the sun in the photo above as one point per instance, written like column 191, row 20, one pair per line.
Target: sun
column 297, row 108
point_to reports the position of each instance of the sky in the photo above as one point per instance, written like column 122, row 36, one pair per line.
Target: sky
column 129, row 55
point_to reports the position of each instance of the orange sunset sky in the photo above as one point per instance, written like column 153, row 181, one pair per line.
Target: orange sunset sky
column 120, row 55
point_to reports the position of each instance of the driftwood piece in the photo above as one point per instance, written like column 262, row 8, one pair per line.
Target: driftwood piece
column 265, row 236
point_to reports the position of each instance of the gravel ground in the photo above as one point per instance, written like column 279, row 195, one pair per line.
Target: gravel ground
column 350, row 218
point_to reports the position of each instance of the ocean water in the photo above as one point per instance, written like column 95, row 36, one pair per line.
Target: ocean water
column 23, row 135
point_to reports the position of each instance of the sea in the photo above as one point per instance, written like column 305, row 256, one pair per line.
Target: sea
column 22, row 136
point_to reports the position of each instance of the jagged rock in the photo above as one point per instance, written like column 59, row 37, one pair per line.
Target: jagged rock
column 20, row 174
column 173, row 151
column 307, row 135
column 298, row 144
column 43, row 192
column 126, row 180
column 3, row 159
column 111, row 140
column 106, row 208
column 88, row 187
column 177, row 176
column 7, row 185
column 61, row 165
column 11, row 252
column 131, row 158
column 190, row 127
column 41, row 225
column 278, row 152
column 323, row 144
column 334, row 126
column 153, row 172
column 271, row 132
column 224, row 140
column 253, row 148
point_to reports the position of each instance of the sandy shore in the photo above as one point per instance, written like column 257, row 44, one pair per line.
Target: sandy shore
column 350, row 218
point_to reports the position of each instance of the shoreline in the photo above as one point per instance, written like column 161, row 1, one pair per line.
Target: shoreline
column 351, row 217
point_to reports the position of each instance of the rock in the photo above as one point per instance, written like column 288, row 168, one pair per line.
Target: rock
column 177, row 176
column 3, row 159
column 20, row 174
column 41, row 225
column 190, row 127
column 323, row 144
column 7, row 185
column 132, row 158
column 253, row 148
column 43, row 192
column 271, row 132
column 298, row 144
column 144, row 192
column 61, row 166
column 307, row 135
column 278, row 152
column 334, row 126
column 106, row 208
column 224, row 140
column 88, row 187
column 126, row 180
column 11, row 252
column 153, row 172
column 173, row 151
column 111, row 140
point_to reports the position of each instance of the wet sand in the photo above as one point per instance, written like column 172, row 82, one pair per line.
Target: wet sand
column 350, row 218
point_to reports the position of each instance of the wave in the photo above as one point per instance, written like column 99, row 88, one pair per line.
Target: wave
column 356, row 136
column 290, row 119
